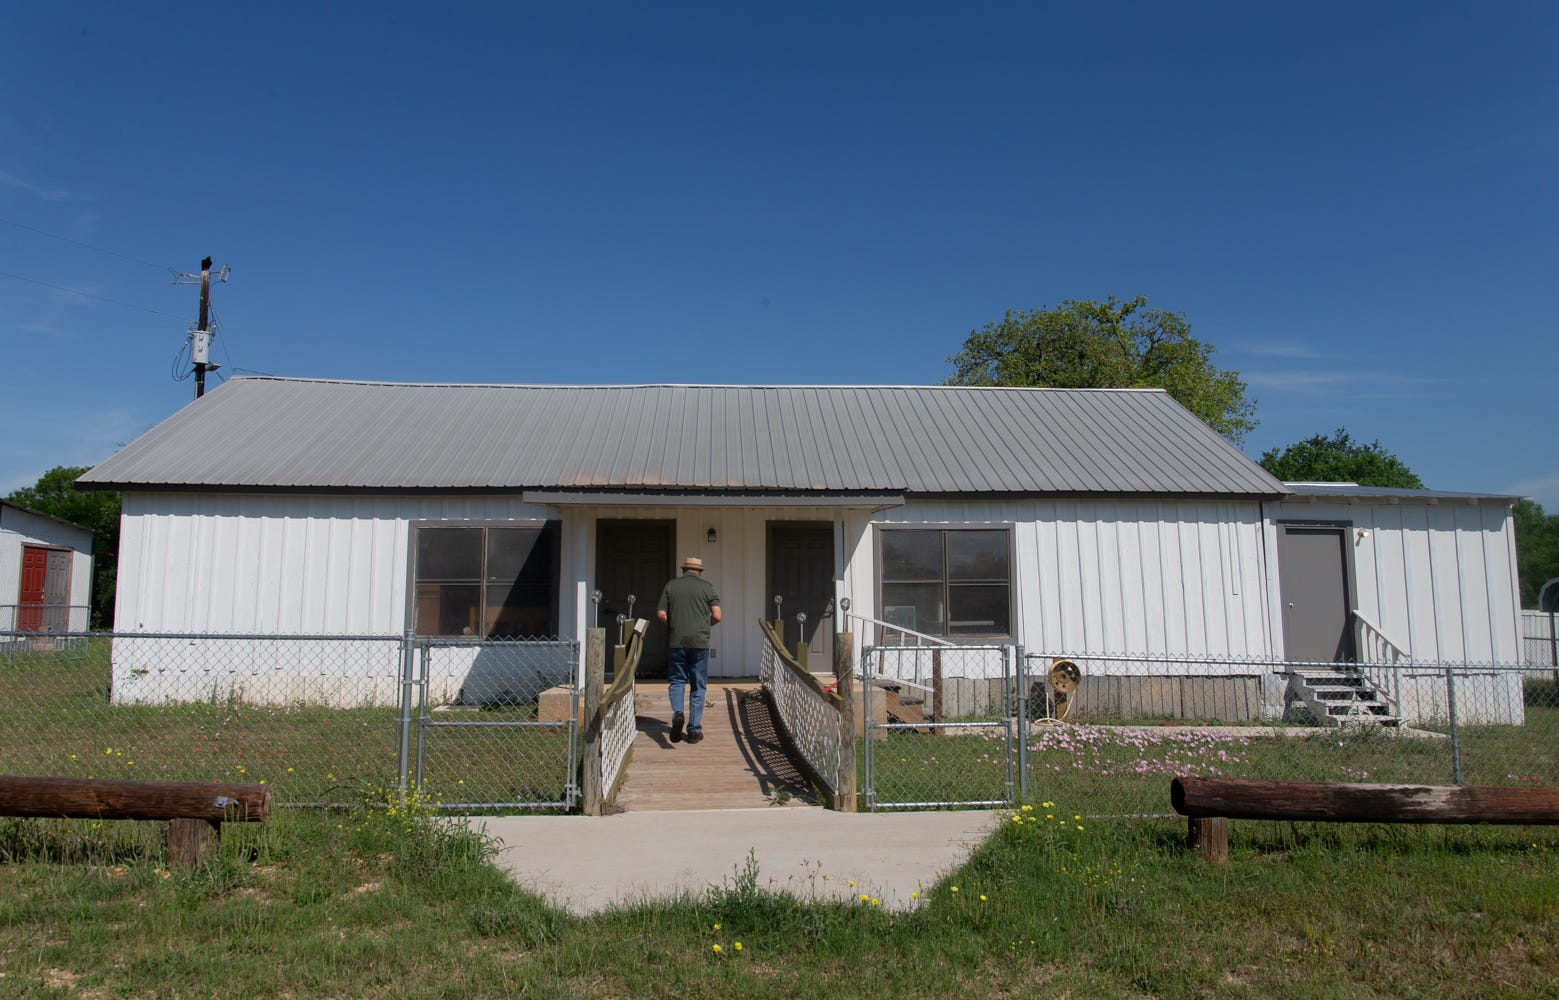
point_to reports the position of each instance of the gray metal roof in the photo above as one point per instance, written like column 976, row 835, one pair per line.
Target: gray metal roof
column 301, row 434
column 47, row 517
column 1353, row 491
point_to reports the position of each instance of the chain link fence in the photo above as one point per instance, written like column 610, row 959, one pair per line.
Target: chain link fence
column 942, row 726
column 497, row 723
column 44, row 617
column 322, row 720
column 948, row 726
column 1540, row 638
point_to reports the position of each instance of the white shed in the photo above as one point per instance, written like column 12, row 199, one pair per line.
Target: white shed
column 45, row 572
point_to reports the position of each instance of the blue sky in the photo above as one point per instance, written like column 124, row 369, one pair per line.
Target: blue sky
column 1357, row 204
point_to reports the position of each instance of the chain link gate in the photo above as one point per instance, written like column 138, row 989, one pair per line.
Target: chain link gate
column 497, row 723
column 943, row 725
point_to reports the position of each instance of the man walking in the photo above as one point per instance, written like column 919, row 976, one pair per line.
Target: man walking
column 690, row 606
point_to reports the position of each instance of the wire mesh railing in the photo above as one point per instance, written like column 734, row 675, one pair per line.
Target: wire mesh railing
column 813, row 718
column 619, row 726
column 320, row 719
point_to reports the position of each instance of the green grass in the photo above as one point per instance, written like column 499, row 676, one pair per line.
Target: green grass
column 380, row 903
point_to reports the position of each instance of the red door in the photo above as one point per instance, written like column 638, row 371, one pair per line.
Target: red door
column 35, row 572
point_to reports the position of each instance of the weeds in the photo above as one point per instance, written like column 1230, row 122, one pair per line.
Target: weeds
column 389, row 899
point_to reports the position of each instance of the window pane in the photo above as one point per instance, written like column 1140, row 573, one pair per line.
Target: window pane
column 916, row 606
column 449, row 609
column 912, row 555
column 513, row 553
column 978, row 609
column 522, row 583
column 520, row 613
column 977, row 555
column 449, row 554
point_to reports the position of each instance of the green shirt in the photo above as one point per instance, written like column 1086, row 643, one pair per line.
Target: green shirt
column 686, row 601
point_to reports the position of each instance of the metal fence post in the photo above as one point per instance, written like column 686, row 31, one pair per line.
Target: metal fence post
column 1456, row 750
column 1553, row 645
column 1020, row 671
column 408, row 658
column 866, row 729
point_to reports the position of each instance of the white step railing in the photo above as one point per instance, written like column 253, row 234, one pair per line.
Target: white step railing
column 1380, row 662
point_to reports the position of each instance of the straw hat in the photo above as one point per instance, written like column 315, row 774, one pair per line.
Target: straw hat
column 693, row 562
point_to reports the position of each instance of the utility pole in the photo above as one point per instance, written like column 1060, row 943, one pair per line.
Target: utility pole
column 200, row 348
column 200, row 336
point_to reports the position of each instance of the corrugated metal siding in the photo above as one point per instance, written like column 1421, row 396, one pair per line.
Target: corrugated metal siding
column 301, row 434
column 1438, row 578
column 1127, row 576
column 281, row 564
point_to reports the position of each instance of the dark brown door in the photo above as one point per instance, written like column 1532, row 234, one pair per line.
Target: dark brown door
column 1313, row 576
column 801, row 570
column 635, row 557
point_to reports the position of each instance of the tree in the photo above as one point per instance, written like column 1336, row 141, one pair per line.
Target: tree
column 1340, row 459
column 1107, row 345
column 55, row 494
column 1537, row 548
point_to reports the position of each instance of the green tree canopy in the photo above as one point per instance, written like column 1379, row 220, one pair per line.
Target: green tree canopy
column 1107, row 345
column 1340, row 459
column 55, row 494
column 1537, row 549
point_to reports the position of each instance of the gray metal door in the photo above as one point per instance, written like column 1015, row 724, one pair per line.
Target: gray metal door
column 635, row 557
column 1313, row 578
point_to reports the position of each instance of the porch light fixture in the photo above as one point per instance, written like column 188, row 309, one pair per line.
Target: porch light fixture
column 711, row 536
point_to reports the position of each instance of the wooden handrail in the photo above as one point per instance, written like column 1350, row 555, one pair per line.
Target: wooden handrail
column 789, row 660
column 622, row 677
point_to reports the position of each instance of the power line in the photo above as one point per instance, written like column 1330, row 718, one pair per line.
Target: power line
column 67, row 239
column 89, row 295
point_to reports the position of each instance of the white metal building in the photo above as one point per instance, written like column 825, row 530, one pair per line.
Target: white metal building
column 1104, row 521
column 45, row 572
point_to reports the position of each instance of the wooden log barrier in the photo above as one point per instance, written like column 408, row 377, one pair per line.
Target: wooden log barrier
column 1206, row 800
column 194, row 810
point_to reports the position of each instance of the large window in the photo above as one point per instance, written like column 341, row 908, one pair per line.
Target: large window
column 948, row 581
column 495, row 581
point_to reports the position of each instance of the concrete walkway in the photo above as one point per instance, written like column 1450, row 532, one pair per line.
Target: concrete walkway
column 590, row 863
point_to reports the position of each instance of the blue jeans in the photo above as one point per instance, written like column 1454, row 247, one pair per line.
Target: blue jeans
column 688, row 668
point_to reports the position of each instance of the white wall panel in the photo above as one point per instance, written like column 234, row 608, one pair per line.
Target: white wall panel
column 1124, row 576
column 1439, row 579
column 278, row 564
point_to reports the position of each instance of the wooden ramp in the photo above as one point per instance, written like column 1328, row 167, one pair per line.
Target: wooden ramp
column 741, row 763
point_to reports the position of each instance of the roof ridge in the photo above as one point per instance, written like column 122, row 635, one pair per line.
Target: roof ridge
column 682, row 385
